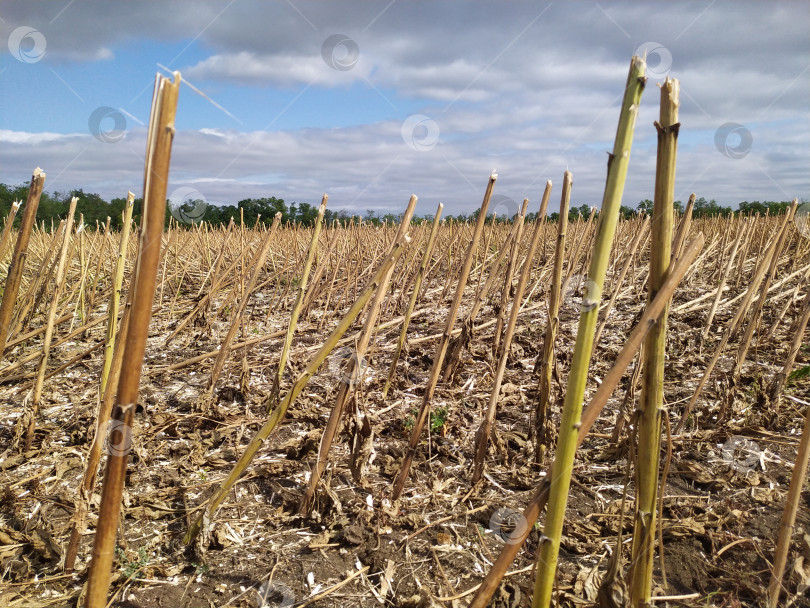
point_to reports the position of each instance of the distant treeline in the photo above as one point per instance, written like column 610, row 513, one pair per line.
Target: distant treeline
column 53, row 207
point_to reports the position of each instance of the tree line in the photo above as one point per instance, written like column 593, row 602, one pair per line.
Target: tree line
column 53, row 207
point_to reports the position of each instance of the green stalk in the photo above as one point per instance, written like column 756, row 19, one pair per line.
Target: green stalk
column 414, row 296
column 652, row 382
column 572, row 408
column 296, row 311
column 597, row 403
column 300, row 383
column 115, row 295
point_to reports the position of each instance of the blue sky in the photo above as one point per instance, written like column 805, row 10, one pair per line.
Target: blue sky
column 370, row 102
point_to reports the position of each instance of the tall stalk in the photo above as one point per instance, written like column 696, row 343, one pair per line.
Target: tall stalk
column 651, row 403
column 589, row 417
column 354, row 368
column 15, row 269
column 299, row 300
column 417, row 285
column 788, row 520
column 46, row 344
column 546, row 359
column 572, row 407
column 156, row 176
column 441, row 351
column 489, row 418
column 115, row 294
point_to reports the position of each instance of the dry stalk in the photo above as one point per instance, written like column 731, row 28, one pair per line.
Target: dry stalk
column 546, row 357
column 417, row 285
column 438, row 358
column 29, row 419
column 156, row 174
column 299, row 300
column 482, row 437
column 278, row 413
column 15, row 269
column 115, row 294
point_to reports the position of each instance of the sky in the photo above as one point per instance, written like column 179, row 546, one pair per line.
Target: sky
column 371, row 102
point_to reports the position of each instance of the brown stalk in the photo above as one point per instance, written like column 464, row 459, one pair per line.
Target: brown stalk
column 507, row 281
column 546, row 357
column 786, row 525
column 354, row 369
column 438, row 358
column 486, row 427
column 225, row 348
column 46, row 345
column 15, row 269
column 5, row 239
column 156, row 174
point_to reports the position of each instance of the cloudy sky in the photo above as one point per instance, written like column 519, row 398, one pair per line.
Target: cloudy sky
column 371, row 102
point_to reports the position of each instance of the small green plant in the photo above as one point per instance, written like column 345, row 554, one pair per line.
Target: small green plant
column 437, row 419
column 130, row 567
column 410, row 419
column 799, row 374
column 203, row 474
